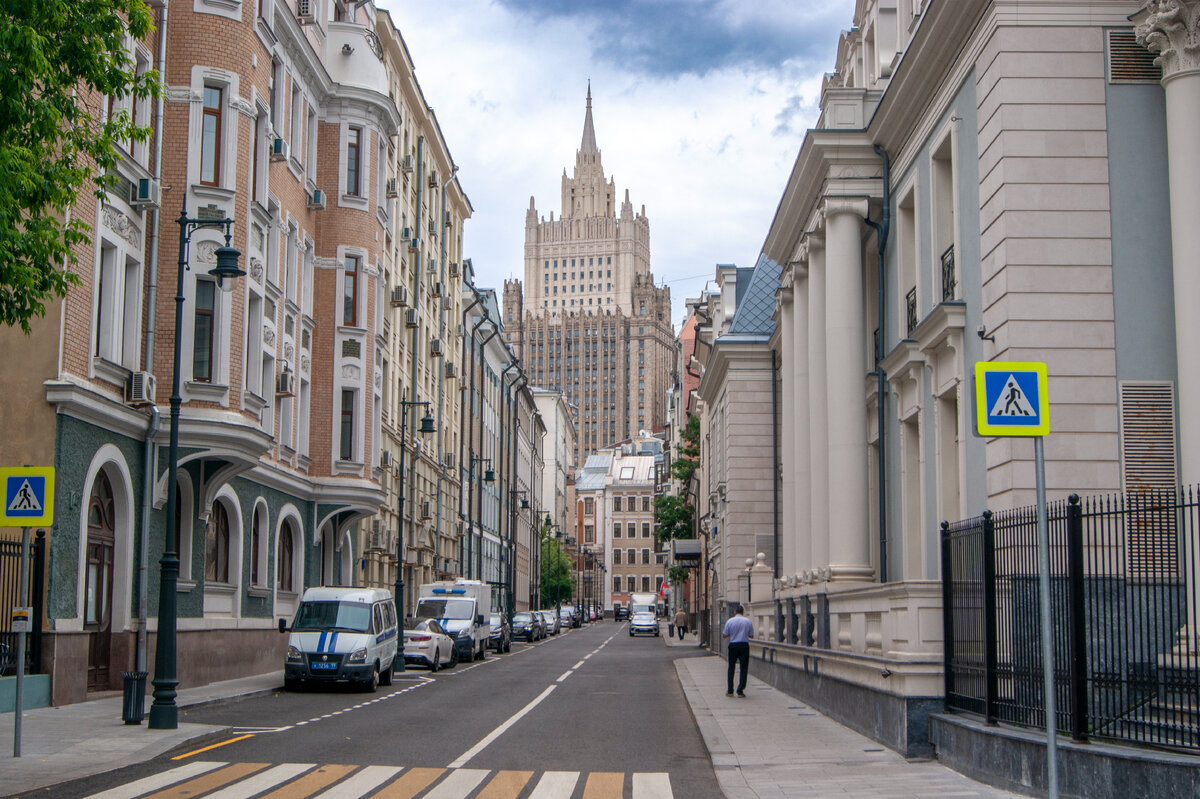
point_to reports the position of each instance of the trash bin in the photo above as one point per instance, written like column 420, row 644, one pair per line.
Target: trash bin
column 670, row 629
column 133, row 704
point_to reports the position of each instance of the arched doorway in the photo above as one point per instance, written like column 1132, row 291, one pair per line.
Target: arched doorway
column 98, row 584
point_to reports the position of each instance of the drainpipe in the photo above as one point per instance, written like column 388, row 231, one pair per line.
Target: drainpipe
column 464, row 389
column 151, row 316
column 881, row 237
column 775, row 368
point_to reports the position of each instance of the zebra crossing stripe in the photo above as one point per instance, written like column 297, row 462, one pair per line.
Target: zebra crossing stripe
column 210, row 781
column 157, row 781
column 411, row 783
column 459, row 783
column 555, row 785
column 652, row 786
column 362, row 781
column 311, row 782
column 505, row 785
column 262, row 781
column 604, row 785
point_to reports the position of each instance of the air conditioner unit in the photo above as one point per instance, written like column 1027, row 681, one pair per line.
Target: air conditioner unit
column 285, row 383
column 437, row 288
column 385, row 459
column 146, row 192
column 392, row 189
column 414, row 244
column 140, row 389
column 432, row 228
column 406, row 164
column 399, row 296
column 410, row 317
column 454, row 269
column 446, row 221
column 435, row 348
column 316, row 201
column 407, row 233
column 448, row 303
column 426, row 510
column 376, row 541
column 451, row 369
column 432, row 266
column 433, row 180
column 304, row 12
column 449, row 460
column 279, row 149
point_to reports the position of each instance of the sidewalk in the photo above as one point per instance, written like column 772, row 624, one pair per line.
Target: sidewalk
column 770, row 745
column 73, row 741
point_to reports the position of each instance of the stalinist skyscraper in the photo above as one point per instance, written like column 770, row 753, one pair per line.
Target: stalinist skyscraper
column 590, row 321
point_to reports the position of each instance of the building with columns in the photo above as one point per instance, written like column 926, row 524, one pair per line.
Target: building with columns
column 1024, row 196
column 588, row 320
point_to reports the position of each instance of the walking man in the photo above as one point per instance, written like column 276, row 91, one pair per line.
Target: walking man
column 739, row 630
column 680, row 623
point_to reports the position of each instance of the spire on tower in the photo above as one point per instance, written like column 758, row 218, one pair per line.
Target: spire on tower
column 589, row 133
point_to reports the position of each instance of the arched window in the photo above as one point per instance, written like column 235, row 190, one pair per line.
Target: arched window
column 286, row 563
column 256, row 535
column 216, row 546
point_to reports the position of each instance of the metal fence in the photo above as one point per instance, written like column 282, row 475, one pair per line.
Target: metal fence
column 10, row 597
column 1125, row 575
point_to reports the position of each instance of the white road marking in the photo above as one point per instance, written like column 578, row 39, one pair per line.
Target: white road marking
column 496, row 733
column 158, row 781
column 257, row 783
column 359, row 783
column 652, row 786
column 565, row 675
column 577, row 665
column 458, row 784
column 555, row 785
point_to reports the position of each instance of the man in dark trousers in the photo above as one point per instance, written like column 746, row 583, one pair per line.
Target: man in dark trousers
column 739, row 630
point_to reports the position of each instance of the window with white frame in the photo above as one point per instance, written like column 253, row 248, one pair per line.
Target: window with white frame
column 212, row 122
column 204, row 331
column 254, row 328
column 311, row 140
column 291, row 263
column 302, row 418
column 118, row 305
column 354, row 150
column 261, row 155
column 347, row 448
column 296, row 121
column 350, row 276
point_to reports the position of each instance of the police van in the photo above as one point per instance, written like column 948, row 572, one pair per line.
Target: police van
column 341, row 635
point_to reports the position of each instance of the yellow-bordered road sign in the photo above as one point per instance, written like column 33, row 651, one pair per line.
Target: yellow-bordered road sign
column 1011, row 399
column 27, row 495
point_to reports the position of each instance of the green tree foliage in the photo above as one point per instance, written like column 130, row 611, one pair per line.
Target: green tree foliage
column 673, row 517
column 59, row 60
column 558, row 581
column 678, row 574
column 685, row 465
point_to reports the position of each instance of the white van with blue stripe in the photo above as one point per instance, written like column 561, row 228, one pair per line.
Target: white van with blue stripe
column 342, row 635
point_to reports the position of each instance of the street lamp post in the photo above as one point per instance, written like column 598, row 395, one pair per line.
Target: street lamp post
column 164, row 713
column 425, row 428
column 489, row 476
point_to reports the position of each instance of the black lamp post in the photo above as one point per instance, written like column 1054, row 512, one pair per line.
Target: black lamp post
column 164, row 713
column 510, row 573
column 425, row 428
column 489, row 476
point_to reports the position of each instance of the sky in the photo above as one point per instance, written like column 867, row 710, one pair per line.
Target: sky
column 700, row 107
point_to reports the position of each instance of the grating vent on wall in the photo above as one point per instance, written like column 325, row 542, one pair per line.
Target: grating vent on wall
column 1128, row 61
column 1149, row 473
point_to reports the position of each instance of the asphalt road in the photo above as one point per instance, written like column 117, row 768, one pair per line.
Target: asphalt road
column 587, row 714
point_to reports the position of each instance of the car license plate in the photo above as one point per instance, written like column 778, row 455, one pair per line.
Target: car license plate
column 324, row 666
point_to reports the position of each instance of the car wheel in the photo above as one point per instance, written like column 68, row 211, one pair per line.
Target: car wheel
column 436, row 663
column 508, row 647
column 386, row 677
column 483, row 652
column 453, row 658
column 372, row 684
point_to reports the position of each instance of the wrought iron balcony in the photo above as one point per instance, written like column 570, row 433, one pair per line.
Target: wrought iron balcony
column 949, row 283
column 910, row 307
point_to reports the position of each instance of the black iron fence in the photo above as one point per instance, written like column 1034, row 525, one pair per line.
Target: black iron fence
column 1124, row 581
column 10, row 597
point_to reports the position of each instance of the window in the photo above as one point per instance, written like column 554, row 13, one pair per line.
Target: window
column 616, row 504
column 646, row 504
column 632, row 530
column 589, row 507
column 347, row 426
column 645, row 582
column 631, row 556
column 256, row 537
column 202, row 331
column 645, row 557
column 616, row 585
column 311, row 141
column 354, row 161
column 617, row 530
column 617, row 558
column 210, row 136
column 216, row 546
column 296, row 122
column 626, row 472
column 118, row 299
column 589, row 536
column 350, row 291
column 258, row 185
column 283, row 571
column 645, row 529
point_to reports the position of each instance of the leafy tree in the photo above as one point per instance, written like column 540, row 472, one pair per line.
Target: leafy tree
column 558, row 581
column 59, row 60
column 678, row 574
column 673, row 517
column 685, row 465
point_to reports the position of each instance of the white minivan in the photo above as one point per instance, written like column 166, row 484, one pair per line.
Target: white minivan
column 341, row 635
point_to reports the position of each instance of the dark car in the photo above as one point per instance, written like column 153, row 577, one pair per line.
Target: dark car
column 500, row 638
column 528, row 627
column 620, row 613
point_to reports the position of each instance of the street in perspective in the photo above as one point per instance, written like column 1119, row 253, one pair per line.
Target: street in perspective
column 358, row 439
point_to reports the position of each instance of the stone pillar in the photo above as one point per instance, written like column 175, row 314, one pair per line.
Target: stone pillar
column 787, row 426
column 800, row 484
column 1171, row 29
column 818, row 432
column 845, row 376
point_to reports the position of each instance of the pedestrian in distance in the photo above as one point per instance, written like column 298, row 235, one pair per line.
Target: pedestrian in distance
column 680, row 623
column 739, row 630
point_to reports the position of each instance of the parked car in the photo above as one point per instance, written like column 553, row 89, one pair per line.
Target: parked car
column 591, row 614
column 566, row 618
column 528, row 627
column 345, row 635
column 500, row 638
column 643, row 623
column 427, row 644
column 550, row 621
column 620, row 613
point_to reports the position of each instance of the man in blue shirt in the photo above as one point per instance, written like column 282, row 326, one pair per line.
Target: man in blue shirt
column 739, row 630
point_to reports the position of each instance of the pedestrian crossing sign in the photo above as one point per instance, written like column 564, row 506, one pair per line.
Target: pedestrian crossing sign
column 28, row 496
column 1011, row 399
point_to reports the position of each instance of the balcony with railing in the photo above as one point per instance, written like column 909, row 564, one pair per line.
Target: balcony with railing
column 910, row 310
column 949, row 282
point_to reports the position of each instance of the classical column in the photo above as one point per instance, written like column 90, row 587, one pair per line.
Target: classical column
column 1171, row 29
column 787, row 426
column 845, row 375
column 818, row 431
column 801, row 482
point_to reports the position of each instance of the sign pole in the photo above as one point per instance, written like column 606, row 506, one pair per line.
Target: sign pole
column 21, row 644
column 1043, row 531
